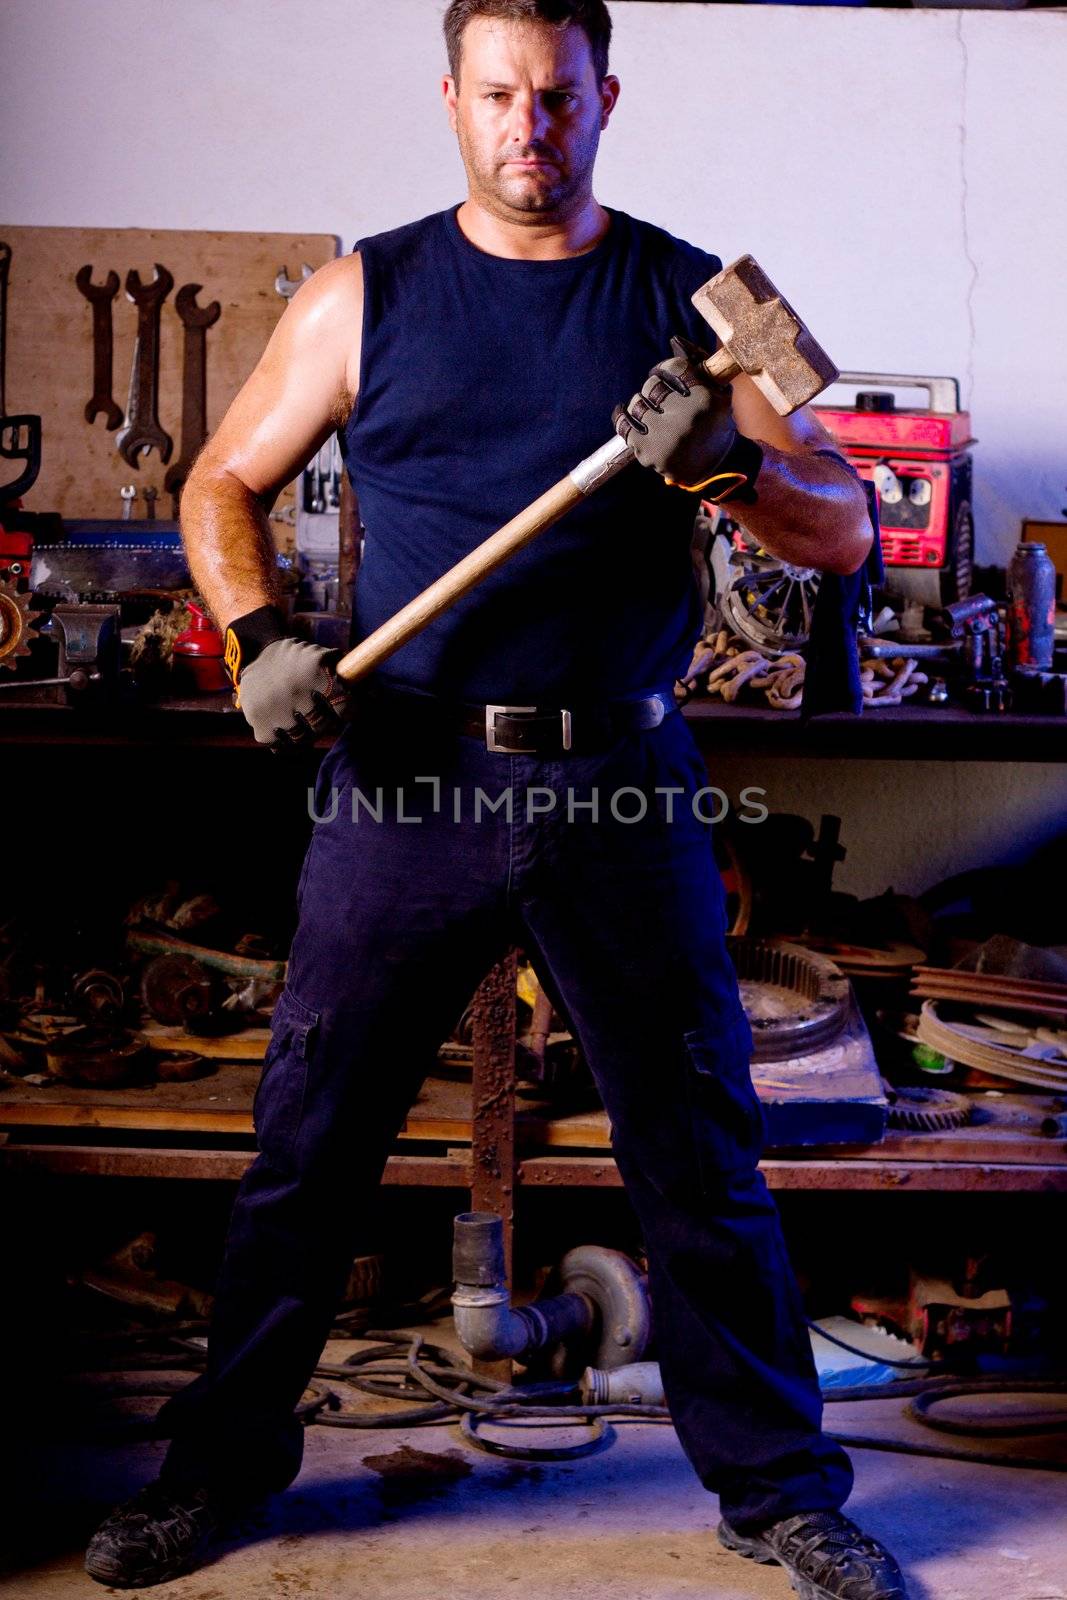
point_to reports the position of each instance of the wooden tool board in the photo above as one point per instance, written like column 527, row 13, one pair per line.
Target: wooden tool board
column 50, row 345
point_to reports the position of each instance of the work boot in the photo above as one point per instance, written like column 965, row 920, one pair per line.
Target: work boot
column 159, row 1533
column 826, row 1556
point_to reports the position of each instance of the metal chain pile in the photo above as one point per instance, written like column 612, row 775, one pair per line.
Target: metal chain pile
column 887, row 683
column 724, row 664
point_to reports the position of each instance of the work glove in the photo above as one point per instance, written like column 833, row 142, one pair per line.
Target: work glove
column 283, row 685
column 680, row 424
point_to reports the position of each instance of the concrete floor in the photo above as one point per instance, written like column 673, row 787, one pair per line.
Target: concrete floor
column 416, row 1514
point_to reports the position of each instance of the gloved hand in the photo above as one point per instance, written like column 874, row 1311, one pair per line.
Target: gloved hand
column 283, row 685
column 680, row 424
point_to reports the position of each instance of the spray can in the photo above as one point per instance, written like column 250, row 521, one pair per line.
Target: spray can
column 1032, row 608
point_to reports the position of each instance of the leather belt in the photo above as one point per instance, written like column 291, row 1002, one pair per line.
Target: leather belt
column 527, row 730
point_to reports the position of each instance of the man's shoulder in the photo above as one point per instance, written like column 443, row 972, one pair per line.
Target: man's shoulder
column 659, row 244
column 394, row 242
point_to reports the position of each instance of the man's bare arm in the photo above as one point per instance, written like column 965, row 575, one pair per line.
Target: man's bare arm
column 302, row 388
column 810, row 508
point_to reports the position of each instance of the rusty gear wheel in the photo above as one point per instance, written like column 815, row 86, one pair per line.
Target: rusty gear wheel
column 16, row 620
column 922, row 1110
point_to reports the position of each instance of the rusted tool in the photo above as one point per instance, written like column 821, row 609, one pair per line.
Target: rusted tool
column 196, row 320
column 759, row 334
column 142, row 431
column 100, row 296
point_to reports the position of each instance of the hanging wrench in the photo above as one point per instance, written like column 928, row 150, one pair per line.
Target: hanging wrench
column 100, row 296
column 142, row 431
column 196, row 320
column 286, row 286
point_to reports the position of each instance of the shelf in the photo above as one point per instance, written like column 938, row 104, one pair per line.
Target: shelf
column 817, row 1174
column 1001, row 1151
column 908, row 733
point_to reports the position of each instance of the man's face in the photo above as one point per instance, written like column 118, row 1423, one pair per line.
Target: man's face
column 528, row 113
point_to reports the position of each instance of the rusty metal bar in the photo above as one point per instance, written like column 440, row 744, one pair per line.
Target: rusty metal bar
column 493, row 1113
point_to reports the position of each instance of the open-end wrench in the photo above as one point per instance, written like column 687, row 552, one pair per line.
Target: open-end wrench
column 196, row 320
column 286, row 286
column 100, row 296
column 142, row 431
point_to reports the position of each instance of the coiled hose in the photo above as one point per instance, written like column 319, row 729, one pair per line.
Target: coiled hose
column 402, row 1365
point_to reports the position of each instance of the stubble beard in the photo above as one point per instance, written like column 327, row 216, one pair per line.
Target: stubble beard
column 505, row 194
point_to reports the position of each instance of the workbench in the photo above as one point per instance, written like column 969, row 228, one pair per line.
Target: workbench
column 202, row 1129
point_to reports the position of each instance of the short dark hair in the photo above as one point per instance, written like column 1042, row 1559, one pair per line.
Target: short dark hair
column 590, row 15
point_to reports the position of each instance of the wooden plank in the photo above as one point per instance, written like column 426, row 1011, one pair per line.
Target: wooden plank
column 50, row 347
column 1007, row 1131
column 119, row 1161
column 808, row 1173
column 249, row 1045
column 447, row 1171
column 944, row 1177
column 545, row 1172
column 220, row 1102
column 223, row 1166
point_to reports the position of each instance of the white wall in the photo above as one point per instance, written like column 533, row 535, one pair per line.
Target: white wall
column 899, row 173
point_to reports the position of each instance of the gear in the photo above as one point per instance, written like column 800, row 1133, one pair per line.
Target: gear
column 922, row 1110
column 16, row 619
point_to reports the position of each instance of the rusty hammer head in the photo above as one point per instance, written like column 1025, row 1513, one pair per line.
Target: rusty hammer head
column 760, row 334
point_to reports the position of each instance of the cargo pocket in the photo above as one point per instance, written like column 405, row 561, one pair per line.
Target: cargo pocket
column 279, row 1099
column 728, row 1120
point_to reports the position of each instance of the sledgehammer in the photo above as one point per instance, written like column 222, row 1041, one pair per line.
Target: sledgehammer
column 759, row 334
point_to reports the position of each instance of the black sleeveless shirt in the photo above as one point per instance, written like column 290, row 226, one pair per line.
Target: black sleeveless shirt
column 484, row 380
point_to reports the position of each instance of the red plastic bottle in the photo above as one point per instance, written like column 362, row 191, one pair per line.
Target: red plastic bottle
column 198, row 651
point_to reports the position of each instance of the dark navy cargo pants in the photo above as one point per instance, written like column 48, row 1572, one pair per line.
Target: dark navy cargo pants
column 434, row 855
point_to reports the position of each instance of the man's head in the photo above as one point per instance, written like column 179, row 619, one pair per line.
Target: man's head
column 528, row 96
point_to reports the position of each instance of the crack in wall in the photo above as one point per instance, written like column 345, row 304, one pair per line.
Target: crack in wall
column 968, row 256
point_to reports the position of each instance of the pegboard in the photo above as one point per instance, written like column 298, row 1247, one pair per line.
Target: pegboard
column 50, row 345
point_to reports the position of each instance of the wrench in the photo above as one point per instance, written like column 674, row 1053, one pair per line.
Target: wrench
column 196, row 320
column 100, row 296
column 142, row 431
column 286, row 286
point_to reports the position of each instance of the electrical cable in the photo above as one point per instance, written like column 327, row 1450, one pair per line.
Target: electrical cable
column 425, row 1371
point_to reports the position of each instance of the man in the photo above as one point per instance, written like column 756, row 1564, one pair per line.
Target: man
column 467, row 361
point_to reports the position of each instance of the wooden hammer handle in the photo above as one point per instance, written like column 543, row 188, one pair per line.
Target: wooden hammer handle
column 459, row 580
column 721, row 366
column 490, row 554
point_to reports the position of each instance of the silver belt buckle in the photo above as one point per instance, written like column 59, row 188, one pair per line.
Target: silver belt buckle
column 493, row 743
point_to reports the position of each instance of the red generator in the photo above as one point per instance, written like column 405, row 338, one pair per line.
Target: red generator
column 920, row 464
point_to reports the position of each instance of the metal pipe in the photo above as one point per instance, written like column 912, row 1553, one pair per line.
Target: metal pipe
column 487, row 1324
